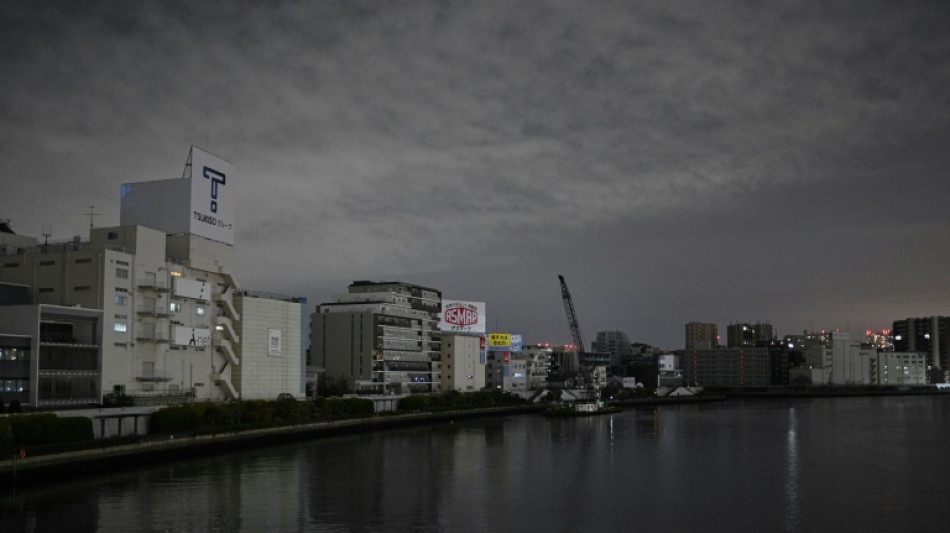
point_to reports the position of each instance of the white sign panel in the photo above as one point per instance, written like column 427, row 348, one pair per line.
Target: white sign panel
column 190, row 288
column 273, row 342
column 462, row 316
column 188, row 336
column 212, row 197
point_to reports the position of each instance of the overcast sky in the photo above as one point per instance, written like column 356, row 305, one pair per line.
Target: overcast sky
column 674, row 160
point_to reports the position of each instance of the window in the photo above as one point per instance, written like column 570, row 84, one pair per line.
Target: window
column 200, row 311
column 11, row 265
column 83, row 260
column 47, row 263
column 120, row 327
column 81, row 288
column 45, row 289
column 122, row 273
column 174, row 307
column 121, row 299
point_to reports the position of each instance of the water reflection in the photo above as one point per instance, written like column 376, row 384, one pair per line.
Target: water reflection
column 792, row 522
column 757, row 466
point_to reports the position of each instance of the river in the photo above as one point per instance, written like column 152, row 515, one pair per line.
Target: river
column 802, row 465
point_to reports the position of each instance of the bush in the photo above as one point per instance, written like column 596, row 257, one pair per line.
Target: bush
column 256, row 412
column 173, row 419
column 287, row 409
column 43, row 429
column 214, row 416
column 416, row 402
column 342, row 407
column 6, row 438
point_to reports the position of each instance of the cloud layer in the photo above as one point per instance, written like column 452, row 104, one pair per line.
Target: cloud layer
column 678, row 160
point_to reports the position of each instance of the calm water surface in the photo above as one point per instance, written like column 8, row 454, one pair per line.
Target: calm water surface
column 844, row 464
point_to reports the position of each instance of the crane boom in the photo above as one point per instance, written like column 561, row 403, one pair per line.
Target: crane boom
column 571, row 315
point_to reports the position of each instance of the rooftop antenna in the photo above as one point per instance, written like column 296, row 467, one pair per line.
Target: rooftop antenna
column 187, row 172
column 92, row 213
column 47, row 233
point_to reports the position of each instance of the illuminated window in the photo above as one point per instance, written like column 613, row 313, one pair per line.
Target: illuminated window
column 120, row 327
column 200, row 311
column 174, row 307
column 121, row 299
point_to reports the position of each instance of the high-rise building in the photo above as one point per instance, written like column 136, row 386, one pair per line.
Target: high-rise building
column 381, row 337
column 930, row 335
column 726, row 367
column 701, row 336
column 616, row 343
column 748, row 335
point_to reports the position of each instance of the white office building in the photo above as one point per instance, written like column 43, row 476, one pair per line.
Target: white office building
column 175, row 326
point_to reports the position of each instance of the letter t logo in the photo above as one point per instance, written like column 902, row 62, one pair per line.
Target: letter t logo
column 216, row 178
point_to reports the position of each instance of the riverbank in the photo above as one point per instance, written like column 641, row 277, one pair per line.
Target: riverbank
column 32, row 470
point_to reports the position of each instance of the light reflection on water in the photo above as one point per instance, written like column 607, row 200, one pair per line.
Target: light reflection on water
column 849, row 464
column 791, row 476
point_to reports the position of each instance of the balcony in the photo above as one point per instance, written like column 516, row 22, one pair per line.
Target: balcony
column 150, row 283
column 153, row 310
column 151, row 336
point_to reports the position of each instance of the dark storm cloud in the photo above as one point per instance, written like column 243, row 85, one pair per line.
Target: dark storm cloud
column 677, row 159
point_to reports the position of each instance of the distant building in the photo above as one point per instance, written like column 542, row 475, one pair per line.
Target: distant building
column 882, row 340
column 749, row 335
column 899, row 368
column 616, row 343
column 930, row 335
column 381, row 337
column 669, row 373
column 537, row 365
column 507, row 371
column 726, row 367
column 701, row 336
column 841, row 361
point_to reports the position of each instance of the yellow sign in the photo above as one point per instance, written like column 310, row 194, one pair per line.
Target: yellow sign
column 499, row 339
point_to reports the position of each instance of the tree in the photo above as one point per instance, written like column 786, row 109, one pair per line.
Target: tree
column 331, row 385
column 801, row 380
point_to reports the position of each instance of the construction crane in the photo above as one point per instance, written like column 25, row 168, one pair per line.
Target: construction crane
column 571, row 315
column 586, row 370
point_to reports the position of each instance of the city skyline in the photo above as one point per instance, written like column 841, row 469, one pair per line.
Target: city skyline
column 675, row 162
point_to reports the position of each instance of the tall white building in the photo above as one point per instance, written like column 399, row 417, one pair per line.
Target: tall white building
column 463, row 362
column 175, row 325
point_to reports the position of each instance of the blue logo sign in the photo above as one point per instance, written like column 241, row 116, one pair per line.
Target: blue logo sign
column 216, row 178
